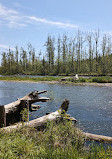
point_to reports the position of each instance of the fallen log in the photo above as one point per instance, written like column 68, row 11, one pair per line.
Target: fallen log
column 94, row 137
column 13, row 109
column 65, row 78
column 42, row 121
column 35, row 107
column 31, row 97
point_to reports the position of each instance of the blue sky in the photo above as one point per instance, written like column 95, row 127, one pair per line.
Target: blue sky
column 24, row 21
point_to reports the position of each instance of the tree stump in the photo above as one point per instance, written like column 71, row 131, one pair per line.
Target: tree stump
column 24, row 108
column 2, row 116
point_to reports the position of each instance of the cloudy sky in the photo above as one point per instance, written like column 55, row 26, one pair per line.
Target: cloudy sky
column 24, row 21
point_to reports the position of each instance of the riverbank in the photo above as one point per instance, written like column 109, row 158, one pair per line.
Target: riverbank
column 57, row 80
column 28, row 81
column 46, row 79
column 97, row 81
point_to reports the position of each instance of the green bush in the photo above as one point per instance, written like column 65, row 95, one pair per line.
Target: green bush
column 101, row 79
column 110, row 80
column 77, row 81
column 82, row 80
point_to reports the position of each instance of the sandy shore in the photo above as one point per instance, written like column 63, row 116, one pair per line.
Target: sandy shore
column 48, row 82
column 63, row 83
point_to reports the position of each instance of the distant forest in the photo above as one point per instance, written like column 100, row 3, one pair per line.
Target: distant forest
column 85, row 53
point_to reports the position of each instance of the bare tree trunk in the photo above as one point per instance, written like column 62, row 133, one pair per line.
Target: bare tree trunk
column 2, row 116
column 96, row 37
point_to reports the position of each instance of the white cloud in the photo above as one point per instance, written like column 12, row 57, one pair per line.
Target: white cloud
column 11, row 18
column 13, row 24
column 5, row 11
column 6, row 47
column 14, row 19
column 55, row 23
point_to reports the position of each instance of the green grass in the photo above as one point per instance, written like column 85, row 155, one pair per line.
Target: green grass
column 81, row 80
column 103, row 79
column 56, row 141
column 33, row 79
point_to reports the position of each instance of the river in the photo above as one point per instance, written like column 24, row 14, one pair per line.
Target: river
column 90, row 105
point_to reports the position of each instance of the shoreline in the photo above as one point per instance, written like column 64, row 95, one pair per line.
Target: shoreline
column 63, row 83
column 28, row 81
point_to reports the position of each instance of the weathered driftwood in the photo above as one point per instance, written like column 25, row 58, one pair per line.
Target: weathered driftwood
column 71, row 78
column 2, row 116
column 32, row 98
column 94, row 137
column 40, row 122
column 65, row 78
column 13, row 109
column 35, row 107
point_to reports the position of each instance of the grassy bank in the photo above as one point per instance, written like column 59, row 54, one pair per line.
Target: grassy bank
column 71, row 80
column 57, row 141
column 103, row 79
column 32, row 79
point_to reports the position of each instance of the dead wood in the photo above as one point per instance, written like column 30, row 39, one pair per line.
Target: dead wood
column 40, row 122
column 94, row 137
column 13, row 109
column 2, row 116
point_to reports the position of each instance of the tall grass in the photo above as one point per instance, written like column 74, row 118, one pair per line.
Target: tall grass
column 57, row 141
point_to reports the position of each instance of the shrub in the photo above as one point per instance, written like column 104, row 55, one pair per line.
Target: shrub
column 110, row 80
column 100, row 79
column 82, row 79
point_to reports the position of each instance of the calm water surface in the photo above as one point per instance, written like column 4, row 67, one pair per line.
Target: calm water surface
column 91, row 106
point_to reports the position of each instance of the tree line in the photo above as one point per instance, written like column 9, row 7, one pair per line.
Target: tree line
column 85, row 53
